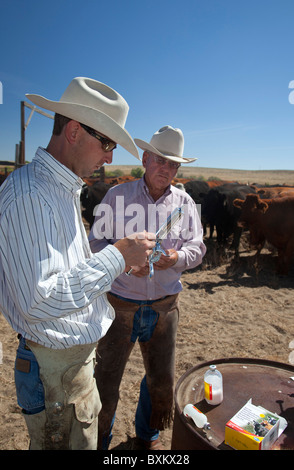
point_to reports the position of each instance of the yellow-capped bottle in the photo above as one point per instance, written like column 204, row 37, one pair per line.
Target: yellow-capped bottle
column 213, row 386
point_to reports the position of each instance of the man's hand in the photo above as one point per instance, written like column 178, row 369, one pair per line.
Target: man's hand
column 163, row 263
column 168, row 261
column 140, row 271
column 136, row 248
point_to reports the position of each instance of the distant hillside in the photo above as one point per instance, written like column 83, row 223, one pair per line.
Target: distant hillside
column 265, row 177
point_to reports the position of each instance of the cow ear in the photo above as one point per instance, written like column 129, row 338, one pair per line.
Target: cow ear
column 263, row 206
column 238, row 203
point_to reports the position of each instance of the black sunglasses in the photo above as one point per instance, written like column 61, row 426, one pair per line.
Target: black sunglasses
column 107, row 144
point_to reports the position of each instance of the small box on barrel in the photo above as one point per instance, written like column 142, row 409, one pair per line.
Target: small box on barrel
column 253, row 428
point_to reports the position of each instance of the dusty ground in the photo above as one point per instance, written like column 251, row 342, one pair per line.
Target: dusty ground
column 224, row 307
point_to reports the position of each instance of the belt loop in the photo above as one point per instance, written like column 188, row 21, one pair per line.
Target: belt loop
column 20, row 337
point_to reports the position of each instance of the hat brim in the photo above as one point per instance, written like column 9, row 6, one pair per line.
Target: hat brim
column 91, row 117
column 175, row 158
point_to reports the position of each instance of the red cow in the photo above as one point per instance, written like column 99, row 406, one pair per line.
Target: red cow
column 276, row 191
column 271, row 220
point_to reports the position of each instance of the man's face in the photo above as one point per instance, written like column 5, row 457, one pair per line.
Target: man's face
column 91, row 155
column 159, row 171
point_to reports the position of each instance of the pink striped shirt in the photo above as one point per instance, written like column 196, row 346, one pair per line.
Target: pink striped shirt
column 127, row 208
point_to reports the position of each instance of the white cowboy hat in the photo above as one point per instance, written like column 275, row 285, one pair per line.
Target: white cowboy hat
column 168, row 143
column 96, row 105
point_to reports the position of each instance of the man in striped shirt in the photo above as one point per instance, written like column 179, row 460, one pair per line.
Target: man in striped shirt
column 52, row 288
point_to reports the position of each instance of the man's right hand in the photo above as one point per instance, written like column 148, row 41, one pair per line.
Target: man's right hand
column 136, row 248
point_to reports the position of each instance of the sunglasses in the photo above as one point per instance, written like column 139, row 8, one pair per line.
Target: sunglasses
column 107, row 144
column 162, row 161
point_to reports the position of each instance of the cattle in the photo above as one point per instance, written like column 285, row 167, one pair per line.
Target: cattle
column 197, row 189
column 270, row 220
column 218, row 210
column 276, row 191
column 90, row 197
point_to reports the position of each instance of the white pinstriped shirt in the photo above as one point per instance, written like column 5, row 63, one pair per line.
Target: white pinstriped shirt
column 52, row 288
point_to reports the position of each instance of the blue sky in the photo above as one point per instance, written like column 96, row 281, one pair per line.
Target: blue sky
column 218, row 69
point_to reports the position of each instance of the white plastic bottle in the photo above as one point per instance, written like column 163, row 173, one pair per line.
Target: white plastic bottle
column 199, row 418
column 213, row 386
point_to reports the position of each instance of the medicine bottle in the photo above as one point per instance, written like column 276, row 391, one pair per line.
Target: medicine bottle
column 213, row 386
column 199, row 418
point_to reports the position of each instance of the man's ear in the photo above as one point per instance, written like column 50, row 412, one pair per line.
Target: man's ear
column 144, row 159
column 72, row 130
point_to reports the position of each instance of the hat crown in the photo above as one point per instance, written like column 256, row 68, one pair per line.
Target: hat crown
column 168, row 141
column 98, row 96
column 96, row 105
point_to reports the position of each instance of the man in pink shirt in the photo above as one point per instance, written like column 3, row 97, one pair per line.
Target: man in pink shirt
column 146, row 306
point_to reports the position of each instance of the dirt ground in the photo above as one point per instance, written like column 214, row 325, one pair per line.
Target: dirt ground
column 225, row 304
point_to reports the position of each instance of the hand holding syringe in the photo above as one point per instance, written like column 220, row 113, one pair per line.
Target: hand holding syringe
column 161, row 234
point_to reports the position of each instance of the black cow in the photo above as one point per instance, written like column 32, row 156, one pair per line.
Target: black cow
column 219, row 211
column 90, row 197
column 197, row 190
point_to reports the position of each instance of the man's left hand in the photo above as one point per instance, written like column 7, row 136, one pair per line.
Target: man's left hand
column 166, row 262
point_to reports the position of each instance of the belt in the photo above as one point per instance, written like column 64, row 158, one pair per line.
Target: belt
column 136, row 301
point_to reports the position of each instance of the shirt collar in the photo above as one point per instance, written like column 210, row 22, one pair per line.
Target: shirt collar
column 144, row 185
column 69, row 180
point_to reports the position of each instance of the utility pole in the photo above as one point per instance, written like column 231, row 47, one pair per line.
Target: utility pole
column 20, row 150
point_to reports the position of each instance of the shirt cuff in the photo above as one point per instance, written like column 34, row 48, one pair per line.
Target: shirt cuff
column 113, row 260
column 181, row 261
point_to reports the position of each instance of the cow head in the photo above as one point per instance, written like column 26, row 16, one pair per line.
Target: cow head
column 251, row 210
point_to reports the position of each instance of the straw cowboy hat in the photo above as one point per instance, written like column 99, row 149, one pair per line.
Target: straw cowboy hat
column 168, row 143
column 96, row 105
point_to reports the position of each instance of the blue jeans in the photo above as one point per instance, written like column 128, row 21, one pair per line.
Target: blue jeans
column 144, row 323
column 29, row 387
column 154, row 324
column 142, row 418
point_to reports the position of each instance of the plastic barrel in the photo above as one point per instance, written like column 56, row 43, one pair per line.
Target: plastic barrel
column 269, row 384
